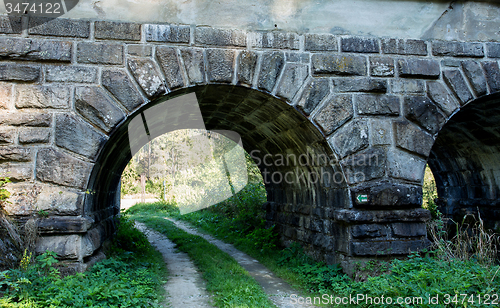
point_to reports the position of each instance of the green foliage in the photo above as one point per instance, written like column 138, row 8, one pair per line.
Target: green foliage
column 155, row 208
column 4, row 193
column 429, row 193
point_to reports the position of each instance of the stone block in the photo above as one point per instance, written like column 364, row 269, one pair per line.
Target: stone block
column 412, row 138
column 97, row 107
column 293, row 78
column 5, row 95
column 457, row 49
column 275, row 40
column 475, row 75
column 340, row 65
column 408, row 167
column 456, row 82
column 358, row 44
column 336, row 112
column 167, row 33
column 389, row 46
column 54, row 225
column 441, row 97
column 34, row 96
column 170, row 65
column 272, row 64
column 220, row 37
column 18, row 72
column 78, row 136
column 412, row 47
column 313, row 94
column 401, row 192
column 365, row 166
column 492, row 72
column 139, row 50
column 35, row 49
column 17, row 172
column 15, row 154
column 62, row 169
column 374, row 104
column 59, row 27
column 34, row 135
column 147, row 76
column 350, row 138
column 369, row 231
column 57, row 201
column 99, row 53
column 407, row 86
column 381, row 132
column 118, row 83
column 419, row 68
column 247, row 62
column 79, row 74
column 220, row 65
column 493, row 50
column 26, row 119
column 321, row 42
column 381, row 67
column 11, row 24
column 406, row 229
column 110, row 30
column 7, row 136
column 67, row 247
column 359, row 85
column 421, row 110
column 194, row 63
column 386, row 247
column 299, row 57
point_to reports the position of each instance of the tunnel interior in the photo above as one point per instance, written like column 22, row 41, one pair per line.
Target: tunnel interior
column 465, row 161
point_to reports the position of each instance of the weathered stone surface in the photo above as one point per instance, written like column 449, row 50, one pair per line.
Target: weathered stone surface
column 169, row 63
column 81, row 74
column 412, row 47
column 381, row 132
column 321, row 42
column 110, row 30
column 59, row 168
column 11, row 24
column 389, row 46
column 17, row 154
column 377, row 104
column 99, row 53
column 147, row 76
column 439, row 95
column 335, row 113
column 26, row 119
column 412, row 138
column 35, row 50
column 119, row 84
column 247, row 62
column 220, row 37
column 72, row 247
column 17, row 72
column 167, row 33
column 359, row 85
column 78, row 136
column 341, row 65
column 418, row 68
column 17, row 172
column 34, row 135
column 53, row 225
column 365, row 166
column 369, row 231
column 33, row 96
column 493, row 50
column 5, row 95
column 299, row 57
column 377, row 216
column 195, row 67
column 384, row 247
column 220, row 64
column 492, row 72
column 351, row 138
column 291, row 81
column 407, row 167
column 276, row 40
column 457, row 49
column 476, row 77
column 97, row 107
column 59, row 27
column 7, row 136
column 409, row 229
column 357, row 44
column 456, row 83
column 313, row 94
column 139, row 50
column 272, row 64
column 381, row 66
column 420, row 110
column 407, row 86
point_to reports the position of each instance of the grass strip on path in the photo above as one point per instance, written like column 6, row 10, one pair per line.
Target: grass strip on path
column 230, row 284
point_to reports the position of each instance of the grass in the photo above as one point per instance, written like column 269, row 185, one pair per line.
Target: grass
column 229, row 283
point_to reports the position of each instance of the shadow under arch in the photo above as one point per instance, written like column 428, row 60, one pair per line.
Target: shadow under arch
column 292, row 154
column 465, row 161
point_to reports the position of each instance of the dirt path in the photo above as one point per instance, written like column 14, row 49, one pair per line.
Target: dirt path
column 185, row 287
column 276, row 288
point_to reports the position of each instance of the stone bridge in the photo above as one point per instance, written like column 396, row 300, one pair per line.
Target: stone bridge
column 377, row 108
